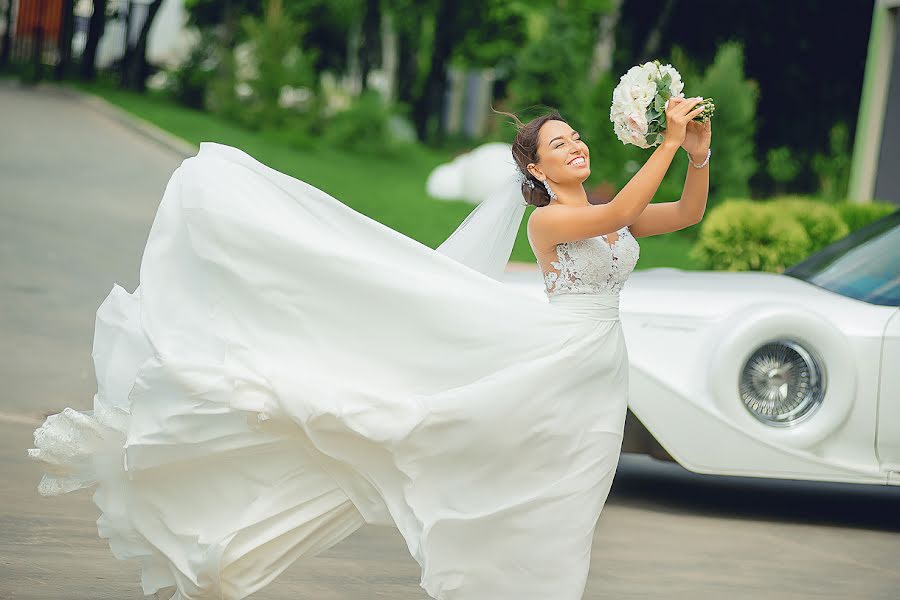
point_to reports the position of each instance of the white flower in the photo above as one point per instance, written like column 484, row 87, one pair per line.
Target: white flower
column 637, row 122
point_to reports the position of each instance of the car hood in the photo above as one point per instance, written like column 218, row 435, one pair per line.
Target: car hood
column 709, row 294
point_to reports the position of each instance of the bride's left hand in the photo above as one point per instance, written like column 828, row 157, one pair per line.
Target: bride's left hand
column 697, row 139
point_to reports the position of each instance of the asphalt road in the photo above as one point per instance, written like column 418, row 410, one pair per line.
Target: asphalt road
column 78, row 192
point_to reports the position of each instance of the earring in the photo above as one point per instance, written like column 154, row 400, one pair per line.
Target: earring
column 550, row 192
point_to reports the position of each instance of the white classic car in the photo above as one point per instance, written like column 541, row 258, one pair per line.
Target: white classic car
column 793, row 375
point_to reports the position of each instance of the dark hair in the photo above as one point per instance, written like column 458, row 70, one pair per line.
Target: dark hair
column 524, row 151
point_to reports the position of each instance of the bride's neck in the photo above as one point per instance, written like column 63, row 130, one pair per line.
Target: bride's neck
column 572, row 194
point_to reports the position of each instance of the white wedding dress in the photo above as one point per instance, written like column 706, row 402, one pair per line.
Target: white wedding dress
column 289, row 369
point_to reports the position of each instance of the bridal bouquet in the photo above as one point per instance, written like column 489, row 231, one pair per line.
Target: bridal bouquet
column 638, row 110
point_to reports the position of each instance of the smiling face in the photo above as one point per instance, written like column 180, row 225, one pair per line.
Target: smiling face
column 562, row 156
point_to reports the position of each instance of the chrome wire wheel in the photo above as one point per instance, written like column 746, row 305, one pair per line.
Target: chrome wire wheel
column 782, row 383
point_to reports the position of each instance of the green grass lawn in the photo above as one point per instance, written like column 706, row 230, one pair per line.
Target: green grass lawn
column 389, row 190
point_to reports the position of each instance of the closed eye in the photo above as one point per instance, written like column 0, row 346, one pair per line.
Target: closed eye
column 560, row 145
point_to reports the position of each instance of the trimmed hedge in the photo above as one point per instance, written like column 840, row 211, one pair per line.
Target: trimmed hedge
column 746, row 235
column 859, row 215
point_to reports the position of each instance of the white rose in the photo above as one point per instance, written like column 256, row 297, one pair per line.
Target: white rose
column 638, row 140
column 620, row 95
column 637, row 121
column 647, row 93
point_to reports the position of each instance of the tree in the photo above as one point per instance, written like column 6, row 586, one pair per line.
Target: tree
column 67, row 27
column 96, row 27
column 833, row 168
column 554, row 66
column 136, row 68
column 369, row 48
column 431, row 99
column 782, row 167
column 7, row 34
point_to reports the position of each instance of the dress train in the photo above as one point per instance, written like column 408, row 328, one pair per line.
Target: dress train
column 289, row 370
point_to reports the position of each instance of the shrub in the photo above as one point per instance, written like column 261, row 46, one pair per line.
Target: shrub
column 768, row 236
column 188, row 82
column 742, row 235
column 857, row 215
column 365, row 128
column 822, row 222
column 268, row 79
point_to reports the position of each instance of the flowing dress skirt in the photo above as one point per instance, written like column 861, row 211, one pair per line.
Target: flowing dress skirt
column 289, row 370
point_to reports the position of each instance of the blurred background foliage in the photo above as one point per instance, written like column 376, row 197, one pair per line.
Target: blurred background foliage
column 344, row 92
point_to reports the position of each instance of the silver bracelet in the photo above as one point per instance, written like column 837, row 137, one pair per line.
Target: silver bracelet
column 703, row 164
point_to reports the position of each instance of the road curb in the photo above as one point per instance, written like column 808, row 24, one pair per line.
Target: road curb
column 171, row 142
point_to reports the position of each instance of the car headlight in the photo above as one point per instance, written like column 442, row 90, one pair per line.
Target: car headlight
column 782, row 382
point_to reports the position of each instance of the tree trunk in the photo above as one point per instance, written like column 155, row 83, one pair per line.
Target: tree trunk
column 431, row 100
column 137, row 64
column 230, row 24
column 407, row 72
column 605, row 46
column 7, row 36
column 354, row 36
column 368, row 48
column 65, row 41
column 651, row 45
column 389, row 58
column 96, row 26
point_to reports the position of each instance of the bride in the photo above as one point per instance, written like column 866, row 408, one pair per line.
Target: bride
column 289, row 370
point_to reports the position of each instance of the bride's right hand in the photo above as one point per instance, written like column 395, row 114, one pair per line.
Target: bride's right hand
column 678, row 114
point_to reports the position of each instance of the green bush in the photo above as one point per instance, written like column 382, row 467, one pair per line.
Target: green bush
column 267, row 82
column 365, row 127
column 742, row 235
column 822, row 222
column 189, row 81
column 858, row 215
column 769, row 236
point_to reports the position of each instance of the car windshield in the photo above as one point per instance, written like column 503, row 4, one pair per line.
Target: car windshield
column 864, row 265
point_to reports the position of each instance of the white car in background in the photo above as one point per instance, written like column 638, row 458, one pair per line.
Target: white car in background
column 793, row 375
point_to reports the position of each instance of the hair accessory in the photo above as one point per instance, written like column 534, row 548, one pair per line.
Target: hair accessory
column 523, row 179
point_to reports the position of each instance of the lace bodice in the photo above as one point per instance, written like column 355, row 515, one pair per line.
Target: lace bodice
column 592, row 265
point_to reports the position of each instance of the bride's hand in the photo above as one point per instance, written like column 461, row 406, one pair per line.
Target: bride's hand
column 697, row 139
column 678, row 116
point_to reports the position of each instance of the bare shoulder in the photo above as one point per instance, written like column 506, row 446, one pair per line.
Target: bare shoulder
column 540, row 224
column 544, row 216
column 553, row 224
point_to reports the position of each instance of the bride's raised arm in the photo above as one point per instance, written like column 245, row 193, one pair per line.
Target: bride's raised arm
column 551, row 225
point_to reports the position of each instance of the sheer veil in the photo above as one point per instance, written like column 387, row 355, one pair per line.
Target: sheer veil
column 484, row 240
